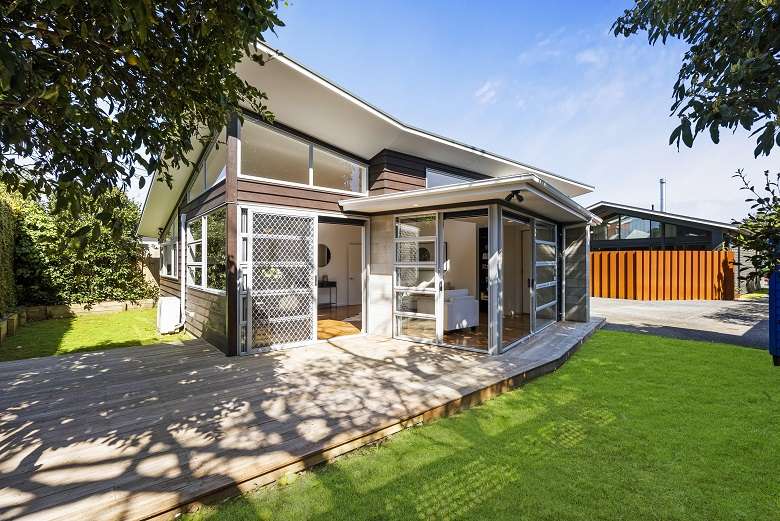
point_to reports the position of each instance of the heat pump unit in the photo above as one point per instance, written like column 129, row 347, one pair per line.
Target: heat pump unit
column 168, row 314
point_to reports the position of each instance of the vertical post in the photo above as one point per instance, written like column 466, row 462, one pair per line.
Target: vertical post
column 774, row 319
column 231, row 198
column 495, row 300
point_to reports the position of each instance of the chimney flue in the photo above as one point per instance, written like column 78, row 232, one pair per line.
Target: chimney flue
column 662, row 201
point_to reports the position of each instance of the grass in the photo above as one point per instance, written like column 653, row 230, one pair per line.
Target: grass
column 632, row 427
column 756, row 295
column 85, row 333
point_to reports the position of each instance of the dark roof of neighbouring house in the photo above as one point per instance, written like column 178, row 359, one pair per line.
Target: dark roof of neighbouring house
column 604, row 208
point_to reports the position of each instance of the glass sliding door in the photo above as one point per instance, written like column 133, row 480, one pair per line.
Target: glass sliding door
column 415, row 278
column 545, row 275
column 515, row 279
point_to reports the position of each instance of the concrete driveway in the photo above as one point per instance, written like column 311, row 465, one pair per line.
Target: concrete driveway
column 734, row 322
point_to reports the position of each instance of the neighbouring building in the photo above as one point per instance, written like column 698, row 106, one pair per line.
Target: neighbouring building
column 337, row 219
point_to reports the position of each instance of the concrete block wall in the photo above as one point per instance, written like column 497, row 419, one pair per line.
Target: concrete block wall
column 380, row 277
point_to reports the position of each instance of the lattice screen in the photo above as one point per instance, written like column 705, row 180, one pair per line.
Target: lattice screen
column 283, row 274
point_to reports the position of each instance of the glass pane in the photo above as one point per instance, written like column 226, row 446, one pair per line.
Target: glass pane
column 331, row 171
column 194, row 252
column 599, row 233
column 406, row 302
column 424, row 226
column 670, row 230
column 545, row 317
column 270, row 154
column 196, row 188
column 244, row 220
column 545, row 295
column 194, row 230
column 414, row 251
column 545, row 274
column 419, row 278
column 194, row 275
column 217, row 161
column 434, row 178
column 216, row 249
column 244, row 249
column 545, row 252
column 545, row 232
column 416, row 327
column 613, row 228
column 634, row 228
column 655, row 229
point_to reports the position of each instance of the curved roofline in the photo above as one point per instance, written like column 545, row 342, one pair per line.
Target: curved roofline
column 278, row 54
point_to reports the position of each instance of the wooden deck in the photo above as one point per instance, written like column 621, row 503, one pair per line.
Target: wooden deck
column 136, row 433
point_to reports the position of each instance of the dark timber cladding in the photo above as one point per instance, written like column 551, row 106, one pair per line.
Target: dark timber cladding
column 261, row 192
column 206, row 317
column 231, row 264
column 205, row 202
column 390, row 171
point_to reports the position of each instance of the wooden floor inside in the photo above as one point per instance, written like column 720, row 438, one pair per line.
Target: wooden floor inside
column 335, row 321
column 513, row 328
column 135, row 433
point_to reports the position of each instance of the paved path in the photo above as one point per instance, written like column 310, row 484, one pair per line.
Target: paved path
column 735, row 322
column 127, row 434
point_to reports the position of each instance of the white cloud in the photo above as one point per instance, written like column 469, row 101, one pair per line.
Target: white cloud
column 487, row 93
column 594, row 57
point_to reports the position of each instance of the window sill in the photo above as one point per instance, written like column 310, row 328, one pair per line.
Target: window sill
column 208, row 290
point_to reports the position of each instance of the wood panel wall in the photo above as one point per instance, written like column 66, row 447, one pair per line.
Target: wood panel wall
column 390, row 172
column 207, row 316
column 663, row 275
column 261, row 192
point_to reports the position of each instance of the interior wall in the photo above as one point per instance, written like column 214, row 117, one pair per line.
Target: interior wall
column 337, row 238
column 461, row 239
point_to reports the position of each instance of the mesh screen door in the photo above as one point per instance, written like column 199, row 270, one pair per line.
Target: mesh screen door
column 283, row 280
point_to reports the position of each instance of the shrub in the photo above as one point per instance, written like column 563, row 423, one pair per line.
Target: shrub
column 7, row 218
column 52, row 266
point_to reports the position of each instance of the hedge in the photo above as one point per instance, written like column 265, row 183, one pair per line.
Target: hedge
column 50, row 267
column 7, row 222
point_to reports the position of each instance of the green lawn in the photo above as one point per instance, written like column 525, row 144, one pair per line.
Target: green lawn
column 756, row 295
column 85, row 333
column 632, row 427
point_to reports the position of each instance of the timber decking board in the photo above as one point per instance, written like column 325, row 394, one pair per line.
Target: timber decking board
column 134, row 433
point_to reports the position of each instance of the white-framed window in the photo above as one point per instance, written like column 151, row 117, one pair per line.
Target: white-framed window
column 207, row 251
column 274, row 155
column 169, row 250
column 434, row 178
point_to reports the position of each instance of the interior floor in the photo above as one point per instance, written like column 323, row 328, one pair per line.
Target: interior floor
column 333, row 321
column 515, row 327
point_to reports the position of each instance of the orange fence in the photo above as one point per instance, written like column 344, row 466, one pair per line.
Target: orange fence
column 662, row 275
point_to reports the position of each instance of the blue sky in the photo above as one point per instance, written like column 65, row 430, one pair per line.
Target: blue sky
column 542, row 82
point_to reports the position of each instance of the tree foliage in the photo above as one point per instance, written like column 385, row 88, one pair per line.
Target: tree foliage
column 90, row 89
column 7, row 222
column 53, row 267
column 759, row 232
column 730, row 74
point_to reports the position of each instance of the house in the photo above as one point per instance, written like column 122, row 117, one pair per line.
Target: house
column 337, row 219
column 631, row 228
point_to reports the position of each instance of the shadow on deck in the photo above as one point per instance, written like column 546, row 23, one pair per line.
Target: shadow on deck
column 133, row 433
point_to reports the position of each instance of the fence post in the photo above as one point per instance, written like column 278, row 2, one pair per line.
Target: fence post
column 774, row 316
